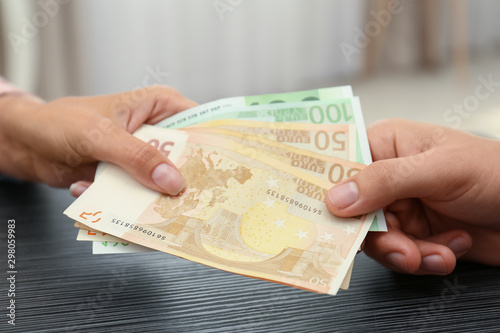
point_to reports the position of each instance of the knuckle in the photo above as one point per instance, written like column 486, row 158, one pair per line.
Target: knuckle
column 382, row 170
column 141, row 155
column 168, row 98
column 385, row 175
column 380, row 137
column 384, row 124
column 165, row 91
column 379, row 123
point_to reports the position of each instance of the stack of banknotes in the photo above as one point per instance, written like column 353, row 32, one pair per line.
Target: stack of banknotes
column 257, row 170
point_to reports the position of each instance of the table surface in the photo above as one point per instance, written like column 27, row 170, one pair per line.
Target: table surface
column 62, row 287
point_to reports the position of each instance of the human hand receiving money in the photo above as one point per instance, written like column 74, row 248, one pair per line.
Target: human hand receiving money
column 440, row 187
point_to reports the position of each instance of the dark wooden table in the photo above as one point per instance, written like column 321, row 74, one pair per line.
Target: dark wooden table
column 62, row 287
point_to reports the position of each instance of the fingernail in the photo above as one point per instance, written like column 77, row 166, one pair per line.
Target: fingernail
column 397, row 260
column 77, row 189
column 434, row 264
column 168, row 179
column 459, row 246
column 344, row 195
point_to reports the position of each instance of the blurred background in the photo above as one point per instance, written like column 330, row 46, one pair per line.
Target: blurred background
column 435, row 60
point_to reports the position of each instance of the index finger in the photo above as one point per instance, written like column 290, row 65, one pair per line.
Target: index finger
column 393, row 138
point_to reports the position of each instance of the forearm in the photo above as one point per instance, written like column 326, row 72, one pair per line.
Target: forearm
column 16, row 121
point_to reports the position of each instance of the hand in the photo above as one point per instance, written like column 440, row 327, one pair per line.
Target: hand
column 60, row 142
column 440, row 188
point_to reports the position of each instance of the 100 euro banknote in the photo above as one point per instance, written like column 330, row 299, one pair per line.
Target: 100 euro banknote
column 241, row 212
column 205, row 111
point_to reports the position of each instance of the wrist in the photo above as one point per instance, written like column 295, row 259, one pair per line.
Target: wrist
column 16, row 113
column 15, row 109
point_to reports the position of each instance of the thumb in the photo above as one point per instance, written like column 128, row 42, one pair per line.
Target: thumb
column 142, row 161
column 385, row 181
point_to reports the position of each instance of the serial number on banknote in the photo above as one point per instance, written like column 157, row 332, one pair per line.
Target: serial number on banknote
column 133, row 226
column 294, row 202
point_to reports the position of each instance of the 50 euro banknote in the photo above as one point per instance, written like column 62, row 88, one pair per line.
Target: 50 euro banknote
column 103, row 243
column 278, row 141
column 326, row 139
column 321, row 142
column 270, row 139
column 323, row 106
column 241, row 211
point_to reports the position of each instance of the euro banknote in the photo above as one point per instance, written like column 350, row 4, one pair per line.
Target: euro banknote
column 330, row 140
column 205, row 111
column 336, row 107
column 241, row 211
column 103, row 243
column 106, row 247
column 323, row 166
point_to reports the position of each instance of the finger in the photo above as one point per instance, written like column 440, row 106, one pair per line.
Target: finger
column 413, row 162
column 381, row 137
column 362, row 246
column 57, row 174
column 437, row 259
column 394, row 250
column 148, row 105
column 486, row 247
column 435, row 255
column 425, row 175
column 391, row 138
column 414, row 221
column 142, row 161
column 169, row 101
column 77, row 189
column 458, row 241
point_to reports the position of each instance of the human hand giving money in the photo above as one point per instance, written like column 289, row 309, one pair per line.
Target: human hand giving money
column 60, row 142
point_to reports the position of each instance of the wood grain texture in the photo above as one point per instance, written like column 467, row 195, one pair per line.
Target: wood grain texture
column 62, row 287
